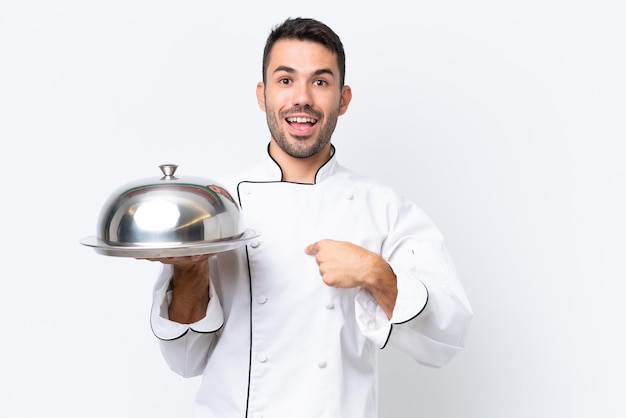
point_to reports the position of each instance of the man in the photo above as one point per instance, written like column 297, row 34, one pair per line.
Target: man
column 291, row 325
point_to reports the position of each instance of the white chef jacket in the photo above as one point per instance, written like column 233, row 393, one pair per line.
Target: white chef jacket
column 276, row 342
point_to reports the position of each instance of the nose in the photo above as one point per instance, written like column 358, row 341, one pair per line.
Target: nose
column 302, row 95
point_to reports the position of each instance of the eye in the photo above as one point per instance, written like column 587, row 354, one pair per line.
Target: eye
column 284, row 81
column 320, row 83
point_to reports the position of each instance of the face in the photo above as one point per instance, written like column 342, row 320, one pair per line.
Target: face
column 302, row 97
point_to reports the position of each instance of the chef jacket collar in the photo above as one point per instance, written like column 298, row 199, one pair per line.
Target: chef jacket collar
column 275, row 173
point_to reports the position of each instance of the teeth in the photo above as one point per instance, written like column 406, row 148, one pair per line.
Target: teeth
column 301, row 120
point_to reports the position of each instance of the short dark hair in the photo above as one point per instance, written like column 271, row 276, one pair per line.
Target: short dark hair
column 306, row 29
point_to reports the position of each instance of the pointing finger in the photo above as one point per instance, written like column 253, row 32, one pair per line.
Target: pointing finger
column 312, row 249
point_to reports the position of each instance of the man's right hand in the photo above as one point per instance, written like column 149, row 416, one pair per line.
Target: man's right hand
column 190, row 287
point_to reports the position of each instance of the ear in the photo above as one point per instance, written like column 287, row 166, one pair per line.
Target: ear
column 260, row 95
column 346, row 96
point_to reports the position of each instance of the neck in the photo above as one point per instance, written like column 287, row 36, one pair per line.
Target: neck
column 299, row 170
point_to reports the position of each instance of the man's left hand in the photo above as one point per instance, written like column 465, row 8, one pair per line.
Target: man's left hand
column 346, row 265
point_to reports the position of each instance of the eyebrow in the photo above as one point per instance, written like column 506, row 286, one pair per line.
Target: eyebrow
column 315, row 73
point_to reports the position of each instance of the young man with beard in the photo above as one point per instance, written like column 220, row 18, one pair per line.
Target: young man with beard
column 291, row 325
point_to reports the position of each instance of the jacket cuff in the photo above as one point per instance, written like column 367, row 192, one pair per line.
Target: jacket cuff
column 410, row 302
column 165, row 329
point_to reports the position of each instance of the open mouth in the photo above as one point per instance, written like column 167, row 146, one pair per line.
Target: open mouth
column 301, row 123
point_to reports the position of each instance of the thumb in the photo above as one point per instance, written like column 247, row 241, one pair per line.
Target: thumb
column 312, row 249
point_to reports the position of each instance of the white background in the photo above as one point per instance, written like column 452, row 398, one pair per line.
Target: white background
column 504, row 120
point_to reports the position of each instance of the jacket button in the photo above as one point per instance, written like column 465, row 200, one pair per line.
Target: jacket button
column 262, row 358
column 329, row 305
column 261, row 299
column 255, row 244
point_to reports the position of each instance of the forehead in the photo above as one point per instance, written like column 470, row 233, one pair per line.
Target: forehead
column 302, row 56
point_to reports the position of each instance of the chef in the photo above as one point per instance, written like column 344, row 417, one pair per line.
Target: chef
column 291, row 324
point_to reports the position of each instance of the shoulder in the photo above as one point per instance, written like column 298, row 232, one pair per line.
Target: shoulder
column 377, row 195
column 232, row 179
column 365, row 183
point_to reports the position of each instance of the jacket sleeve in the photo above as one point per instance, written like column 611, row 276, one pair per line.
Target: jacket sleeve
column 432, row 313
column 185, row 347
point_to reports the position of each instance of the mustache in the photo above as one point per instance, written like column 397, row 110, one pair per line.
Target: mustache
column 301, row 109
